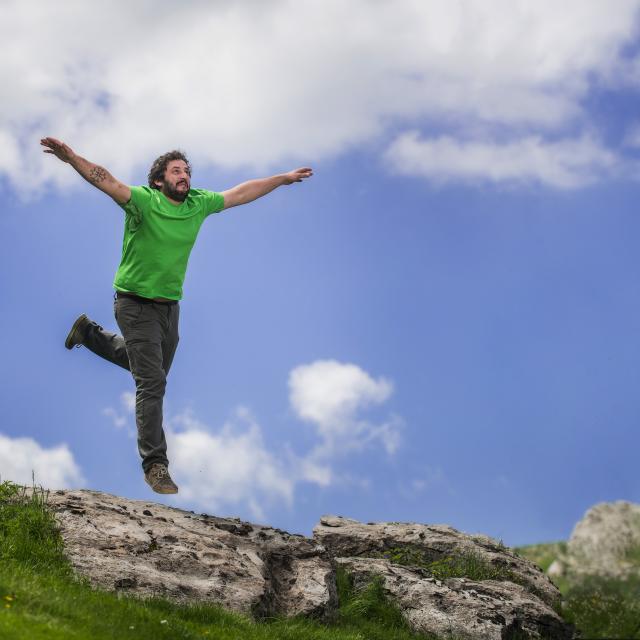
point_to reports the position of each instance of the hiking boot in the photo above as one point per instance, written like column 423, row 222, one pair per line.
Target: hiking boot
column 77, row 333
column 158, row 478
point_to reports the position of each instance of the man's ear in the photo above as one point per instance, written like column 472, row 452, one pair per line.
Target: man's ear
column 158, row 184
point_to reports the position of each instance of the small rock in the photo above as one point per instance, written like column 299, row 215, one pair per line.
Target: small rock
column 556, row 569
column 124, row 583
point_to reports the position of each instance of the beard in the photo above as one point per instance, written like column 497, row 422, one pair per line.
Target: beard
column 172, row 192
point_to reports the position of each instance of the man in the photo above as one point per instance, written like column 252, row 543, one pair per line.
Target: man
column 161, row 225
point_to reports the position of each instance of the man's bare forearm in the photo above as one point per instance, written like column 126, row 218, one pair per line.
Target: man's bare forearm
column 93, row 173
column 99, row 177
column 254, row 189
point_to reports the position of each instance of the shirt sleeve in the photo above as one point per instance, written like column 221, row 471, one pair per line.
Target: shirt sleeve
column 214, row 202
column 140, row 197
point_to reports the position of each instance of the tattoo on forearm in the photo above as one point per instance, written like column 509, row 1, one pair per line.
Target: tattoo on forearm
column 97, row 174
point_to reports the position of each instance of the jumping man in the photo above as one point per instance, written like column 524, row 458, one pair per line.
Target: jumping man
column 160, row 228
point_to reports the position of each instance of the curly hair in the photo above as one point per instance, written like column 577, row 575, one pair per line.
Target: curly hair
column 159, row 166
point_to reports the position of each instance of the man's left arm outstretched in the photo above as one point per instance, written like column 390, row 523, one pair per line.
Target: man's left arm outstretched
column 254, row 189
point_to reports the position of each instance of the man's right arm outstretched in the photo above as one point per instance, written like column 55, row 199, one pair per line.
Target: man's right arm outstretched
column 95, row 174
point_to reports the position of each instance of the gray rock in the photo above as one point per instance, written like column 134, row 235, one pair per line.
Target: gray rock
column 343, row 537
column 603, row 542
column 147, row 549
column 487, row 610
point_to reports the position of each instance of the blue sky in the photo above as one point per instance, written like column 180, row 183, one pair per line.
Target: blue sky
column 441, row 325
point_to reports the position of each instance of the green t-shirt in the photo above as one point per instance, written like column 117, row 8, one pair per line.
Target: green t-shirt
column 158, row 238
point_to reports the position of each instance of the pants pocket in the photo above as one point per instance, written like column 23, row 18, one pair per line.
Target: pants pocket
column 128, row 311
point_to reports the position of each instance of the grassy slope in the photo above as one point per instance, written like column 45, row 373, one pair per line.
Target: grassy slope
column 599, row 607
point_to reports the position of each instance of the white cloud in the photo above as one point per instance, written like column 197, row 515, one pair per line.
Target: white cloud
column 229, row 467
column 232, row 467
column 329, row 392
column 121, row 418
column 566, row 164
column 128, row 399
column 330, row 395
column 264, row 84
column 316, row 473
column 119, row 421
column 53, row 468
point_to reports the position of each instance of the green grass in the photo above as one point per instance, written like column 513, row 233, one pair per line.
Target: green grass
column 543, row 554
column 41, row 598
column 604, row 607
column 467, row 564
column 600, row 607
column 632, row 555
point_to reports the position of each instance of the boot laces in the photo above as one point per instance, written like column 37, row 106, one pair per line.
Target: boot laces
column 160, row 471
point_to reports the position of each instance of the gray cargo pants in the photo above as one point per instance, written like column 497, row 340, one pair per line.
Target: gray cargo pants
column 146, row 348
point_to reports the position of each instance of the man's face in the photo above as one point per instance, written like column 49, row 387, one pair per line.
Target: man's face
column 177, row 180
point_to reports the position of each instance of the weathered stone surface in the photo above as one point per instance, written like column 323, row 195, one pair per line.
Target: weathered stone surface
column 343, row 537
column 487, row 610
column 146, row 549
column 601, row 542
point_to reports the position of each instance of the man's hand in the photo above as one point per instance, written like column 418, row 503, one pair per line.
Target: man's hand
column 298, row 175
column 95, row 174
column 59, row 149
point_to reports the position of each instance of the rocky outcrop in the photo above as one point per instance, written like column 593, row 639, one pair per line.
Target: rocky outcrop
column 429, row 543
column 147, row 549
column 461, row 608
column 144, row 549
column 605, row 542
column 517, row 602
